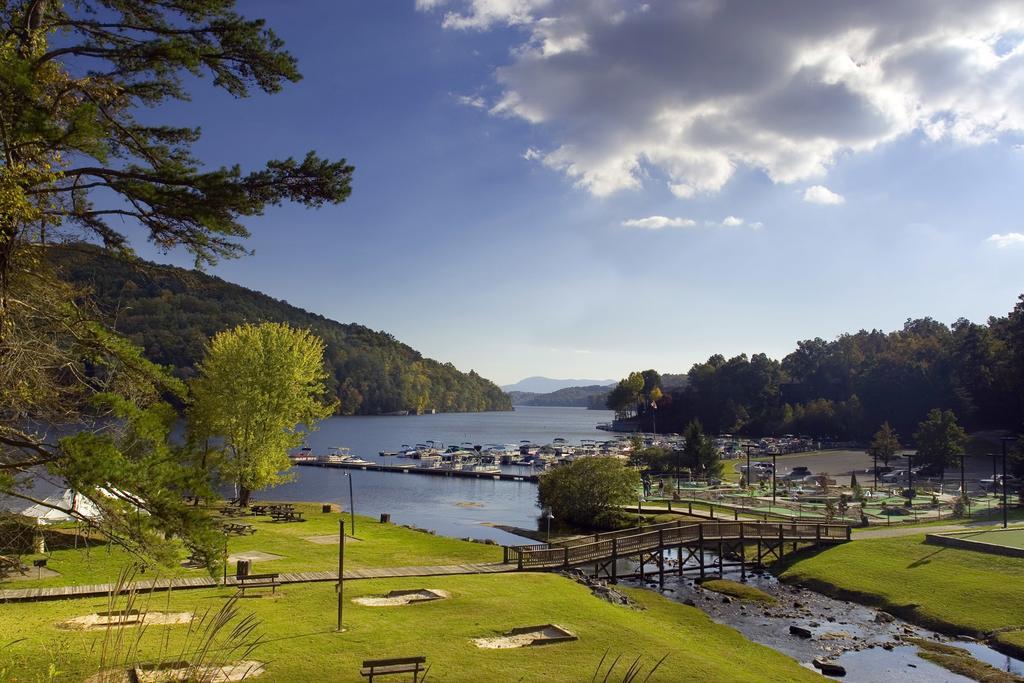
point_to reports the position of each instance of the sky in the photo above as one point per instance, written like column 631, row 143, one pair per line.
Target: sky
column 581, row 188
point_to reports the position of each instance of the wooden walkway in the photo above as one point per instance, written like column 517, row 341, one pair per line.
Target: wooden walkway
column 687, row 542
column 183, row 583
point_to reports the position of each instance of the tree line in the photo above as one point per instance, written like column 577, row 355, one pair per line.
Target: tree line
column 843, row 389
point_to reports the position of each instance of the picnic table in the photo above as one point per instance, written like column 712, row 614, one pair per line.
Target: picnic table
column 259, row 509
column 240, row 529
column 229, row 511
column 286, row 515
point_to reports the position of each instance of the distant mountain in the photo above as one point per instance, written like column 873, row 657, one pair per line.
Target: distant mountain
column 593, row 396
column 545, row 385
column 172, row 312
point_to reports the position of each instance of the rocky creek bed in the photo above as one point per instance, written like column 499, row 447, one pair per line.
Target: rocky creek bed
column 869, row 644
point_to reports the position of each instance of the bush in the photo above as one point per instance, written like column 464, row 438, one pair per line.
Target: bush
column 589, row 491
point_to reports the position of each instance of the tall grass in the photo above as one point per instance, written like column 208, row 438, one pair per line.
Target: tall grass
column 215, row 639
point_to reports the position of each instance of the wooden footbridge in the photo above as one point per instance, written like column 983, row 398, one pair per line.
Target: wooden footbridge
column 678, row 547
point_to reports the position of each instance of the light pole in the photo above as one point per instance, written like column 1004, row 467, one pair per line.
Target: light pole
column 910, row 479
column 1005, row 508
column 747, row 475
column 341, row 567
column 549, row 517
column 874, row 464
column 351, row 503
column 639, row 513
column 773, row 479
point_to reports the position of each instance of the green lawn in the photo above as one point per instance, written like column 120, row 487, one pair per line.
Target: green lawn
column 944, row 588
column 1013, row 538
column 375, row 545
column 301, row 645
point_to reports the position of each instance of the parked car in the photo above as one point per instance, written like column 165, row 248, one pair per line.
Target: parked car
column 881, row 469
column 931, row 470
column 895, row 476
column 996, row 483
column 798, row 473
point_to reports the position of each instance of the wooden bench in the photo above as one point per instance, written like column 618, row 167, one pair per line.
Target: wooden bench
column 258, row 581
column 398, row 665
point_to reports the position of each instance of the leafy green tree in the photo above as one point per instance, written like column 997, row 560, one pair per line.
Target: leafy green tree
column 77, row 161
column 886, row 443
column 257, row 385
column 589, row 492
column 699, row 452
column 940, row 439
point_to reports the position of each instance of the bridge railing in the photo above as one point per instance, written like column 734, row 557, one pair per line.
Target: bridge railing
column 643, row 539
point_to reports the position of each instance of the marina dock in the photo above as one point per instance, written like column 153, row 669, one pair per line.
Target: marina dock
column 415, row 469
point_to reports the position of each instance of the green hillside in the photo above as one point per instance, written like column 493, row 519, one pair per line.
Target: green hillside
column 593, row 396
column 171, row 313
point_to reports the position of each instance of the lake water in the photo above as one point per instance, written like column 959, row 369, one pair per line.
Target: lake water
column 451, row 506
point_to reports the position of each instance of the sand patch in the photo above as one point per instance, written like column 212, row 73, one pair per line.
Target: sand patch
column 31, row 574
column 254, row 556
column 120, row 618
column 468, row 504
column 331, row 539
column 526, row 636
column 179, row 671
column 213, row 674
column 399, row 598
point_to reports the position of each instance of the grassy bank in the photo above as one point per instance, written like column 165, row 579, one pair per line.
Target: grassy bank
column 947, row 589
column 301, row 645
column 374, row 545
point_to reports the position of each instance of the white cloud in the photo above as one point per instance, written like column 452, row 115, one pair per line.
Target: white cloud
column 732, row 222
column 530, row 154
column 658, row 222
column 1009, row 239
column 819, row 194
column 474, row 101
column 699, row 88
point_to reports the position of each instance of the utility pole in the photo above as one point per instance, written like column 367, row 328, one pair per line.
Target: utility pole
column 1005, row 507
column 773, row 479
column 746, row 477
column 341, row 567
column 351, row 504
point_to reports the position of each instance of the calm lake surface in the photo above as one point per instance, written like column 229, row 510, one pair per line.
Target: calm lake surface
column 448, row 505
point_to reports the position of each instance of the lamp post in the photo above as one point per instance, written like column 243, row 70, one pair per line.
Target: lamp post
column 549, row 517
column 746, row 477
column 341, row 567
column 910, row 479
column 1005, row 507
column 351, row 503
column 773, row 479
column 639, row 513
column 874, row 464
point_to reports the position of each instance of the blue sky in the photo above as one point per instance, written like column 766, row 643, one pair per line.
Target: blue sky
column 569, row 188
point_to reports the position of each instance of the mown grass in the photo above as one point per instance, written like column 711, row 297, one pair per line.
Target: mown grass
column 301, row 645
column 948, row 589
column 737, row 590
column 375, row 545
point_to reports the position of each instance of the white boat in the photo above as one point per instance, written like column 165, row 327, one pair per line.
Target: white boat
column 341, row 456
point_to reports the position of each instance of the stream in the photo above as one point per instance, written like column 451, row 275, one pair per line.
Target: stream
column 866, row 642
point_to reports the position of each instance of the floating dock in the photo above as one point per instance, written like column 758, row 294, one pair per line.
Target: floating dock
column 413, row 469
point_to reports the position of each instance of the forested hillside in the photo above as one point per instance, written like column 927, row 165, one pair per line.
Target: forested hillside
column 593, row 396
column 171, row 313
column 846, row 387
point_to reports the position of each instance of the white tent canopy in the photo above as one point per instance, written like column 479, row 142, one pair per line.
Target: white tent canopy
column 68, row 499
